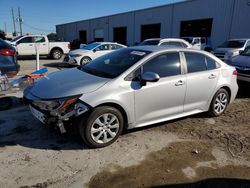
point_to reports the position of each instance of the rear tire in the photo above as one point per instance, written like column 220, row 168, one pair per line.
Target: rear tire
column 102, row 127
column 85, row 60
column 219, row 103
column 56, row 54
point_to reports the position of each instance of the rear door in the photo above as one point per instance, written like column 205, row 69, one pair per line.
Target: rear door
column 42, row 44
column 26, row 46
column 202, row 77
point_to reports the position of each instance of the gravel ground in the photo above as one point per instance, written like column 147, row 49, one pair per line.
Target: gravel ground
column 208, row 151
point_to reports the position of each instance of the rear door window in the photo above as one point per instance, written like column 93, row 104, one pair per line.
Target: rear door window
column 115, row 46
column 195, row 62
column 198, row 62
column 39, row 39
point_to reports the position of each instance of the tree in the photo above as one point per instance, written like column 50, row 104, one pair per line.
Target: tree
column 2, row 34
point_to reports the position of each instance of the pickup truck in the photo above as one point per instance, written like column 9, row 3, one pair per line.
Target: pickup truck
column 27, row 45
column 199, row 43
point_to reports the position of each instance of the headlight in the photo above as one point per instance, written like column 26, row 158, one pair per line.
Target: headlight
column 231, row 54
column 76, row 55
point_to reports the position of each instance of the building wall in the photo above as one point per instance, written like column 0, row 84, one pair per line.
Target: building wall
column 122, row 20
column 219, row 10
column 240, row 27
column 162, row 15
column 230, row 20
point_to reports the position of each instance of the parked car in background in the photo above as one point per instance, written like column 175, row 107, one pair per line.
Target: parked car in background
column 165, row 42
column 91, row 51
column 242, row 64
column 199, row 43
column 26, row 46
column 231, row 48
column 8, row 59
column 133, row 87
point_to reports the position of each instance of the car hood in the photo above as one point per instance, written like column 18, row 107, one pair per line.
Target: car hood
column 240, row 61
column 64, row 84
column 78, row 51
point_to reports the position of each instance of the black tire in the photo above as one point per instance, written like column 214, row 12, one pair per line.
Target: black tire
column 5, row 103
column 214, row 106
column 87, row 124
column 85, row 60
column 56, row 54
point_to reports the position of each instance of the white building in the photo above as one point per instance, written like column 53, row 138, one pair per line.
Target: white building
column 217, row 19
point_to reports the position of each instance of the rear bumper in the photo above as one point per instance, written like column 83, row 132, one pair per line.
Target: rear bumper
column 244, row 77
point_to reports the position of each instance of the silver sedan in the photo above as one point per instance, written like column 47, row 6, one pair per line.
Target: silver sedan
column 133, row 87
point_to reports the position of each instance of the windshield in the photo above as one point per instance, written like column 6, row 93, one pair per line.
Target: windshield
column 15, row 39
column 149, row 42
column 233, row 44
column 113, row 64
column 91, row 46
column 246, row 52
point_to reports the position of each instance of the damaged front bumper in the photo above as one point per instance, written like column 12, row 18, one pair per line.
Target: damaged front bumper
column 57, row 111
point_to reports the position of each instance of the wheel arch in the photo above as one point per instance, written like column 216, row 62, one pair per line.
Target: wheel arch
column 56, row 48
column 120, row 108
column 228, row 91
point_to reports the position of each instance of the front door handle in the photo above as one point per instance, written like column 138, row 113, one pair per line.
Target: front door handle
column 212, row 76
column 179, row 83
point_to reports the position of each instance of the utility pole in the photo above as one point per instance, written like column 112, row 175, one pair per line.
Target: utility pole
column 14, row 24
column 5, row 27
column 20, row 21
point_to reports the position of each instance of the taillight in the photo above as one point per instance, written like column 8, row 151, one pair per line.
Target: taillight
column 69, row 46
column 8, row 52
column 235, row 72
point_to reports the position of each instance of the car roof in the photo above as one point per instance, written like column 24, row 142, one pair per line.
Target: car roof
column 106, row 43
column 152, row 48
column 166, row 48
column 152, row 39
column 239, row 39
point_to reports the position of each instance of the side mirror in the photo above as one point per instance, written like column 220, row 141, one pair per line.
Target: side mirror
column 149, row 77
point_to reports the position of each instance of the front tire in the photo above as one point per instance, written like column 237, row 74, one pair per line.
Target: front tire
column 85, row 60
column 219, row 103
column 102, row 127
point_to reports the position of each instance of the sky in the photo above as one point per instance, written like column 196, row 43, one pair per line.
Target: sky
column 41, row 16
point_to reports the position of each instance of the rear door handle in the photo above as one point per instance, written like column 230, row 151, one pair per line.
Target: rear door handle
column 179, row 83
column 212, row 76
column 30, row 44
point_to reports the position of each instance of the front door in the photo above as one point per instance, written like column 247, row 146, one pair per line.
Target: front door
column 158, row 100
column 26, row 46
column 101, row 50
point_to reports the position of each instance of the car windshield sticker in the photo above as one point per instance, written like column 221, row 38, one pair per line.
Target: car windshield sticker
column 138, row 53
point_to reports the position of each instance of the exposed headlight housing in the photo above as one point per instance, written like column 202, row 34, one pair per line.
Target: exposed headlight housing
column 52, row 105
column 231, row 54
column 76, row 55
